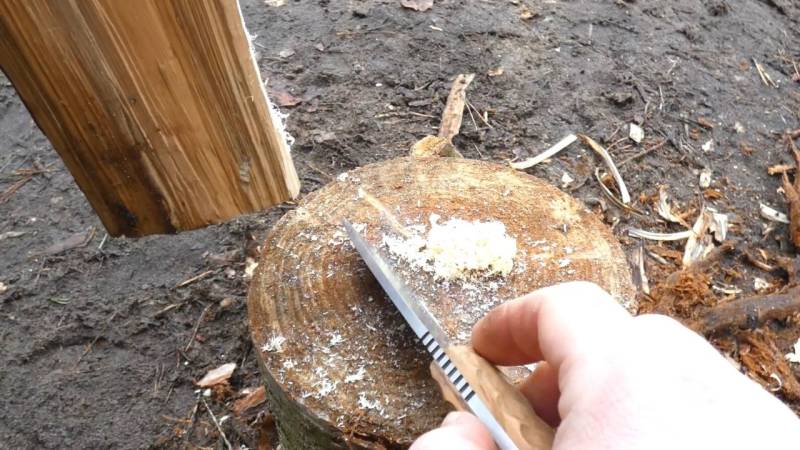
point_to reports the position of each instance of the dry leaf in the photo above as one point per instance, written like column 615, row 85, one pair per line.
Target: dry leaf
column 417, row 5
column 216, row 376
column 285, row 99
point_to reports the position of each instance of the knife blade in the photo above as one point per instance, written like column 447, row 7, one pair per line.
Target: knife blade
column 428, row 331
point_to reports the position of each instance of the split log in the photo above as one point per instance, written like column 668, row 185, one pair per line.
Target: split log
column 155, row 106
column 341, row 368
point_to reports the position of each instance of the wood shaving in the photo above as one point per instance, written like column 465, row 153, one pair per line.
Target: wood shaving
column 623, row 190
column 664, row 209
column 457, row 249
column 547, row 154
column 656, row 236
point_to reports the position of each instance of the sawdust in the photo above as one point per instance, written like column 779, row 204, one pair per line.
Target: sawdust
column 682, row 297
column 765, row 363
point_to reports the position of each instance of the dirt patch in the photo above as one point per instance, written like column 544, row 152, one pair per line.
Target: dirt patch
column 95, row 337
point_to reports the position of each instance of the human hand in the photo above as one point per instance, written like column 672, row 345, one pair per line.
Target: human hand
column 608, row 380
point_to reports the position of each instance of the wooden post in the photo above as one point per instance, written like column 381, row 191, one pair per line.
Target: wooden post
column 341, row 368
column 156, row 107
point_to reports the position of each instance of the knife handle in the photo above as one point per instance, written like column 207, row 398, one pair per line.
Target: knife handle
column 509, row 407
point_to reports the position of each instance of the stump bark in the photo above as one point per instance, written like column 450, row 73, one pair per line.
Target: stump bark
column 341, row 368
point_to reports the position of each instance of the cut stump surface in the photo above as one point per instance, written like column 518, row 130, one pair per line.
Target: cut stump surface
column 342, row 369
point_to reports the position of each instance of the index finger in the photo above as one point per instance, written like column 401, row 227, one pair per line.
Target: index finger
column 552, row 324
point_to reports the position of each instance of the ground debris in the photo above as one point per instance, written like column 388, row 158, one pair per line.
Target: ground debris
column 765, row 363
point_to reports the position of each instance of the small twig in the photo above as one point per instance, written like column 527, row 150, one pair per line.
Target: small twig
column 6, row 195
column 480, row 116
column 193, row 279
column 749, row 312
column 214, row 419
column 642, row 153
column 196, row 327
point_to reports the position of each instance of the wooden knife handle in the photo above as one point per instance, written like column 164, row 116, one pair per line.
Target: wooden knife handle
column 507, row 404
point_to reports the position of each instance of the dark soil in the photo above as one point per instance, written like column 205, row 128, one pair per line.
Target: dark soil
column 95, row 338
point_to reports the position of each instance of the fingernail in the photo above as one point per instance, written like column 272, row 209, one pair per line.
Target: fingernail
column 451, row 418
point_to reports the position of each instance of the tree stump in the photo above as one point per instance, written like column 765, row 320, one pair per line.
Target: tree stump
column 342, row 369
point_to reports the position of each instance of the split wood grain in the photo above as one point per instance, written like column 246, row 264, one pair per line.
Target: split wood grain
column 155, row 106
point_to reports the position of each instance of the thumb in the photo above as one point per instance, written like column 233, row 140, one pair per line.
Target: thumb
column 459, row 430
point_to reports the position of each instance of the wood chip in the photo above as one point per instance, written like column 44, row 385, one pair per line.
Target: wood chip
column 773, row 214
column 664, row 209
column 454, row 109
column 705, row 178
column 417, row 5
column 547, row 154
column 495, row 72
column 216, row 376
column 623, row 190
column 254, row 398
column 636, row 133
column 700, row 243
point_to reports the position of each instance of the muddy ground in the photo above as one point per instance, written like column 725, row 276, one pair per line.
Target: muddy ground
column 100, row 345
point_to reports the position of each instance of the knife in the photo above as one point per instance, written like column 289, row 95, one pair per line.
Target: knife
column 482, row 388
